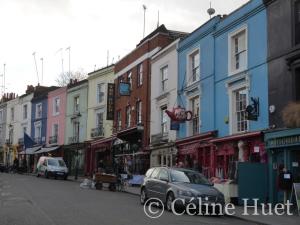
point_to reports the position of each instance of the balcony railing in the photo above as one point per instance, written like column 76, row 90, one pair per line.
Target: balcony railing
column 73, row 140
column 97, row 132
column 21, row 141
column 53, row 139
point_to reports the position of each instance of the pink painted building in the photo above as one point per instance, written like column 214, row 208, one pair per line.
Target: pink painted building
column 56, row 117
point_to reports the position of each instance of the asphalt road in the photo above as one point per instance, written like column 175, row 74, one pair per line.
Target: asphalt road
column 28, row 200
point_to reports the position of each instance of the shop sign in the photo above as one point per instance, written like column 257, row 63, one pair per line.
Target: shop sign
column 283, row 141
column 110, row 102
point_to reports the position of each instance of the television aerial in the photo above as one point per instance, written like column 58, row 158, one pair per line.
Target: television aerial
column 211, row 11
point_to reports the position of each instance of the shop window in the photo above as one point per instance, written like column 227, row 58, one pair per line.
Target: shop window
column 140, row 75
column 297, row 22
column 195, row 108
column 164, row 120
column 238, row 51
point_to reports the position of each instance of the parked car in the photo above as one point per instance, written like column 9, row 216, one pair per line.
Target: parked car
column 168, row 184
column 52, row 167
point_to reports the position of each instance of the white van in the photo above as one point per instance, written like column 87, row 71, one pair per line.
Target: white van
column 52, row 167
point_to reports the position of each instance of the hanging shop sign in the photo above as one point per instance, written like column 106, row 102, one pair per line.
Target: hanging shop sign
column 110, row 101
column 252, row 110
column 174, row 125
column 124, row 89
column 179, row 114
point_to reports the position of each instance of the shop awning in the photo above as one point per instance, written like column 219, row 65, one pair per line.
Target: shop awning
column 132, row 134
column 48, row 149
column 102, row 143
column 30, row 151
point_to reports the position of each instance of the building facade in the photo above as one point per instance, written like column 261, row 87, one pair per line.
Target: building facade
column 282, row 140
column 76, row 125
column 132, row 109
column 57, row 101
column 164, row 67
column 100, row 118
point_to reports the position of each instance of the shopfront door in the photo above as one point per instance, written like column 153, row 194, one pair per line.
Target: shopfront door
column 295, row 165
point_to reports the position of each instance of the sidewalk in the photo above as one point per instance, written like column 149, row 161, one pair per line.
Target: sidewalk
column 239, row 210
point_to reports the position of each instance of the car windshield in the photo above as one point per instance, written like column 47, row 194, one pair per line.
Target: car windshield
column 52, row 162
column 188, row 177
column 61, row 163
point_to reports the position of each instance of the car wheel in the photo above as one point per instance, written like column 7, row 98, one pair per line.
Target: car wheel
column 169, row 201
column 143, row 196
column 46, row 175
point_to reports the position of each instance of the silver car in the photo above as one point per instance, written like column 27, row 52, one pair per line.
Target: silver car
column 169, row 184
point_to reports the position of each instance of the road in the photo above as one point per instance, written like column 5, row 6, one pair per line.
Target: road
column 28, row 200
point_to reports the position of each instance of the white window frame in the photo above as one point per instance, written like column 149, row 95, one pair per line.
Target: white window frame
column 102, row 89
column 230, row 55
column 140, row 73
column 163, row 120
column 54, row 106
column 190, row 123
column 232, row 118
column 74, row 103
column 12, row 114
column 36, row 111
column 53, row 130
column 189, row 66
column 128, row 117
column 139, row 112
column 25, row 106
column 164, row 82
column 129, row 79
column 36, row 125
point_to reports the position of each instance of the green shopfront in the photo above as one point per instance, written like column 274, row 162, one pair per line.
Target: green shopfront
column 283, row 148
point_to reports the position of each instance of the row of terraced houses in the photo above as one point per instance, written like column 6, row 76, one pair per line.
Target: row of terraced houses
column 236, row 78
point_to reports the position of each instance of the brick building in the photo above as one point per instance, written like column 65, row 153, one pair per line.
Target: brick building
column 132, row 112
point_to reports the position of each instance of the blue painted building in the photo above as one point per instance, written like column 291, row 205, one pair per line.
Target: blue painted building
column 39, row 114
column 222, row 72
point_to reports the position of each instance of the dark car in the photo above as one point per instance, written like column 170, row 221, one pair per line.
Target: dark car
column 168, row 184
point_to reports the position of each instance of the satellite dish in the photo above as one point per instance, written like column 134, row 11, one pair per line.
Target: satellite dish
column 211, row 11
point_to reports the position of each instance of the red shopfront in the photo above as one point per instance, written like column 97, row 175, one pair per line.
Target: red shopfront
column 98, row 150
column 247, row 147
column 196, row 152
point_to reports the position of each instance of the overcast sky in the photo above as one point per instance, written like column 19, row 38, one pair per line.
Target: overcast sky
column 90, row 27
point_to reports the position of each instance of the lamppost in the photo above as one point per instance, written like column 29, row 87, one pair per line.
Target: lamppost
column 77, row 146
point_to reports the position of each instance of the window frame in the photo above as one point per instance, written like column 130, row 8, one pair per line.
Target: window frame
column 1, row 115
column 233, row 129
column 164, row 80
column 129, row 79
column 25, row 117
column 163, row 120
column 139, row 113
column 231, row 71
column 128, row 119
column 140, row 73
column 37, row 116
column 55, row 100
column 75, row 104
column 119, row 120
column 194, row 118
column 12, row 114
column 100, row 98
column 190, row 67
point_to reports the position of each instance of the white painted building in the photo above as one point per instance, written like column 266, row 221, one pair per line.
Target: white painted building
column 164, row 81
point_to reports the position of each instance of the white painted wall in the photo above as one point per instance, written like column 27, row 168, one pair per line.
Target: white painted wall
column 167, row 56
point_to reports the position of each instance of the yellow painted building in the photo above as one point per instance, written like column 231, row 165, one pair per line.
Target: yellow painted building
column 97, row 125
